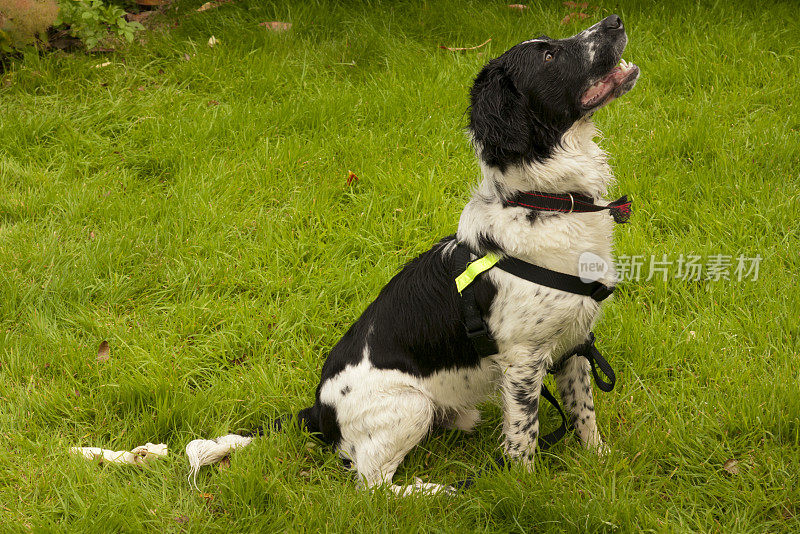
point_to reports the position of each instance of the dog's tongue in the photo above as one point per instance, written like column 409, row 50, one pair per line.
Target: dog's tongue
column 606, row 85
column 595, row 92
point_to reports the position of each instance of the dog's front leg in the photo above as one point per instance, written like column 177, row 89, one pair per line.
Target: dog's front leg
column 575, row 388
column 521, row 384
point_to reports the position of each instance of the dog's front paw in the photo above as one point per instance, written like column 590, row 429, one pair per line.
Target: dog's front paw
column 522, row 454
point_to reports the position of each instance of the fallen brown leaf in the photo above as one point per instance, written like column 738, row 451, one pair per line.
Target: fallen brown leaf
column 213, row 5
column 573, row 16
column 519, row 7
column 453, row 49
column 731, row 466
column 277, row 26
column 225, row 463
column 213, row 102
column 103, row 352
column 351, row 178
column 207, row 496
column 579, row 5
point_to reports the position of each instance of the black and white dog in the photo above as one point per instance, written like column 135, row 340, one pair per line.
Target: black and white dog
column 406, row 365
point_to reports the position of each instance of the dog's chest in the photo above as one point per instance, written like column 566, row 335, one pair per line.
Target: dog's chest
column 536, row 317
column 525, row 314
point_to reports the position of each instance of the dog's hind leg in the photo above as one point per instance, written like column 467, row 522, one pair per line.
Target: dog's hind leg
column 378, row 438
column 575, row 388
column 465, row 419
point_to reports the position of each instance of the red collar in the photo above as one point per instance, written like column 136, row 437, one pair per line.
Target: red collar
column 570, row 203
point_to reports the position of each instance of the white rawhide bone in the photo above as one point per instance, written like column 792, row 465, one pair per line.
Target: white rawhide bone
column 208, row 451
column 137, row 456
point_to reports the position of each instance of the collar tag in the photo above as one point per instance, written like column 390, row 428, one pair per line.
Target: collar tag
column 474, row 269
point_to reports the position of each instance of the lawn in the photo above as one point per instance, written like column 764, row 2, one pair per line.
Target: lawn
column 190, row 205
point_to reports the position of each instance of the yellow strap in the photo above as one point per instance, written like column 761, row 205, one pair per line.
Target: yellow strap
column 474, row 269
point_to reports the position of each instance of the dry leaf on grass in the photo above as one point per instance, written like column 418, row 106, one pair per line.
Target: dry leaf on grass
column 731, row 466
column 573, row 16
column 580, row 5
column 276, row 26
column 519, row 7
column 103, row 352
column 454, row 49
column 351, row 178
column 213, row 41
column 212, row 5
column 101, row 65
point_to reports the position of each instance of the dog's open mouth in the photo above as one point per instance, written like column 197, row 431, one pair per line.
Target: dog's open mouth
column 616, row 83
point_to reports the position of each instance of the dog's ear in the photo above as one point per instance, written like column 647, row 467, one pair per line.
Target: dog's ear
column 498, row 116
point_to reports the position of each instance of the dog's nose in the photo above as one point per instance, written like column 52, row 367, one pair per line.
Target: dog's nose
column 612, row 22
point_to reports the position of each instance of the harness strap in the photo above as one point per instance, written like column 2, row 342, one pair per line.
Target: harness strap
column 550, row 439
column 554, row 279
column 468, row 271
column 476, row 328
column 589, row 351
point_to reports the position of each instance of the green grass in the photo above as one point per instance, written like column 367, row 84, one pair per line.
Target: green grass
column 196, row 214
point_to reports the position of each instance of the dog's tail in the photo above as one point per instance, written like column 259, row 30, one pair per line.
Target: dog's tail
column 210, row 451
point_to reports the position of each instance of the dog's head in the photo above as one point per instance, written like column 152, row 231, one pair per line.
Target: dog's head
column 525, row 100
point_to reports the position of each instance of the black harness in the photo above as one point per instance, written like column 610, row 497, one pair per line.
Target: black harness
column 476, row 328
column 478, row 333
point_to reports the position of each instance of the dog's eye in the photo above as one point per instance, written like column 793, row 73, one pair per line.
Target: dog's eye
column 548, row 56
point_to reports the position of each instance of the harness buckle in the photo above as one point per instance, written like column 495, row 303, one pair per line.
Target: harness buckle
column 482, row 340
column 602, row 292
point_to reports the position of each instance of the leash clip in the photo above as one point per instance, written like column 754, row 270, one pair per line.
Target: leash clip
column 572, row 203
